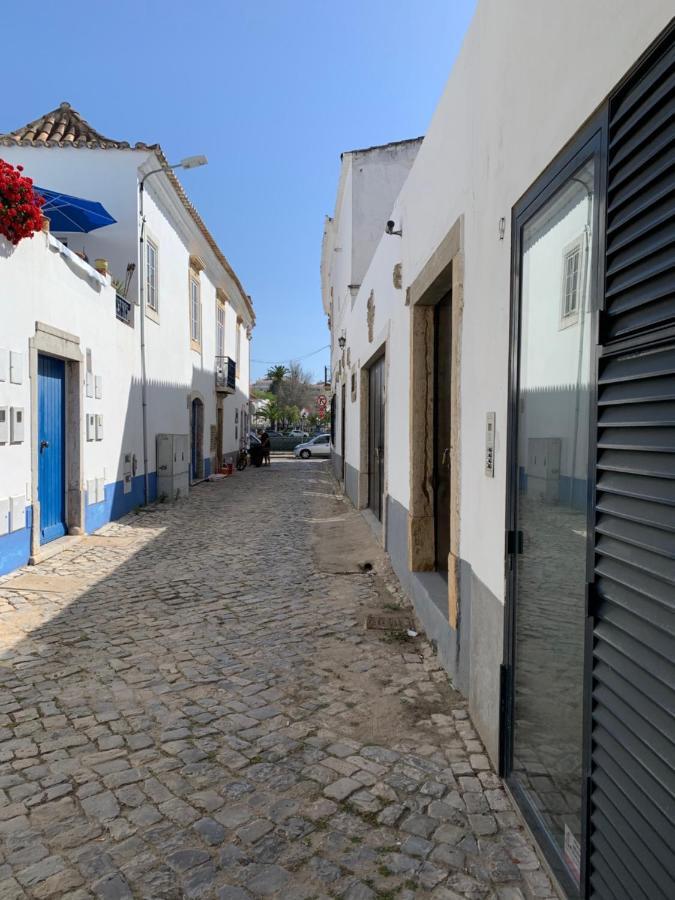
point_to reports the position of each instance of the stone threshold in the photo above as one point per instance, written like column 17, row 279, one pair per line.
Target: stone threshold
column 46, row 551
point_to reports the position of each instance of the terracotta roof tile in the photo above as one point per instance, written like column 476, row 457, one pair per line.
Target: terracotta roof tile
column 62, row 126
column 65, row 127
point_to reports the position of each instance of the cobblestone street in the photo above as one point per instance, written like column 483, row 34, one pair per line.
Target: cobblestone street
column 191, row 706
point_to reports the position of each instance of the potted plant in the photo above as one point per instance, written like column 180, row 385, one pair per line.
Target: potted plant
column 122, row 287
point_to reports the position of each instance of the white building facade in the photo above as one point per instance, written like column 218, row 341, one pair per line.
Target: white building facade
column 108, row 367
column 501, row 313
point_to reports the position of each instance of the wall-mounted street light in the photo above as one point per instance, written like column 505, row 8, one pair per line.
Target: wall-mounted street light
column 189, row 162
column 342, row 340
column 390, row 228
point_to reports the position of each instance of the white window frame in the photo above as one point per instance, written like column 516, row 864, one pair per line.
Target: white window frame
column 195, row 321
column 220, row 327
column 575, row 247
column 237, row 349
column 151, row 291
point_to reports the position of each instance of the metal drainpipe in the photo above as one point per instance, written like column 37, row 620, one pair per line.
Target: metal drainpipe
column 144, row 392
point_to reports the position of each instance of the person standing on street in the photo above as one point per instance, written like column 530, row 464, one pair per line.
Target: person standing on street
column 265, row 442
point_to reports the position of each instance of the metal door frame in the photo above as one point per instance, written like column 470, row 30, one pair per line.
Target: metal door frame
column 43, row 422
column 52, row 341
column 589, row 143
column 592, row 139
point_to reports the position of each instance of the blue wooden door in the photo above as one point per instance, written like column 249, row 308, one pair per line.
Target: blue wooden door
column 51, row 447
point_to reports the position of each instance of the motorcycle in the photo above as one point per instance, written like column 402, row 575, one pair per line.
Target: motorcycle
column 242, row 460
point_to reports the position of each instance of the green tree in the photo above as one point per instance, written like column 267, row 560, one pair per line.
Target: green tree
column 261, row 395
column 292, row 415
column 273, row 412
column 276, row 375
column 296, row 387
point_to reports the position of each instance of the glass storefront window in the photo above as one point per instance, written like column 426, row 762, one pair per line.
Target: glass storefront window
column 552, row 500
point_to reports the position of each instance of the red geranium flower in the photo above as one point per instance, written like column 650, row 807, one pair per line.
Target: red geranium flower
column 20, row 206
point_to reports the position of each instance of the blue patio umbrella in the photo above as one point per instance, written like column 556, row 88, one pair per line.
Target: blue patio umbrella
column 73, row 214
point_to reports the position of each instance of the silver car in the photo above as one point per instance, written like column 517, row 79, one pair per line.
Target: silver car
column 318, row 446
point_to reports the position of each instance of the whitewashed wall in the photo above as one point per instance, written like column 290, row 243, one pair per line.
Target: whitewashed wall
column 377, row 177
column 108, row 176
column 173, row 366
column 37, row 284
column 527, row 78
column 175, row 372
column 513, row 100
column 111, row 177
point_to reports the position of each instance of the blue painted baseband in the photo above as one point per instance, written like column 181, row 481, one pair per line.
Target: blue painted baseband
column 15, row 547
column 116, row 503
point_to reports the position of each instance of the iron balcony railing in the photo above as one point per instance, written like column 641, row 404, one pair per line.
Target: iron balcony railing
column 124, row 310
column 226, row 374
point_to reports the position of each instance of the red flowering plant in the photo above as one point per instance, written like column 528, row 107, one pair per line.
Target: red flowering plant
column 20, row 214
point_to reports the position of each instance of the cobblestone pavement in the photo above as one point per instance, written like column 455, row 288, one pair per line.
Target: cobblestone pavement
column 190, row 707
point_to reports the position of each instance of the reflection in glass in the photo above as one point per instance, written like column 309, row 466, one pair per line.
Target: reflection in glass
column 553, row 435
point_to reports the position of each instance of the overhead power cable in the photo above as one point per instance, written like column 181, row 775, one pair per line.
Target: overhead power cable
column 276, row 362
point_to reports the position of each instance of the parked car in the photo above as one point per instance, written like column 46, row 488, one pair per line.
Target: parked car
column 253, row 438
column 318, row 446
column 296, row 433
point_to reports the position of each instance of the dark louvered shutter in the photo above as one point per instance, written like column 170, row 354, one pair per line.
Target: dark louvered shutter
column 640, row 288
column 632, row 787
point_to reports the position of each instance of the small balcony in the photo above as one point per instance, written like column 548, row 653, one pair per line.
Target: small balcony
column 226, row 375
column 124, row 310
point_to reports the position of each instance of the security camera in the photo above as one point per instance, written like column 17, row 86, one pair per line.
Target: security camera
column 390, row 226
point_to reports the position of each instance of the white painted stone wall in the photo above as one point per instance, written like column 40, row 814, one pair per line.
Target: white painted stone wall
column 176, row 373
column 38, row 284
column 377, row 178
column 104, row 175
column 527, row 78
column 111, row 177
column 174, row 368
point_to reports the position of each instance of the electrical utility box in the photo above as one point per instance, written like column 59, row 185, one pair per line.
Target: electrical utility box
column 173, row 463
column 543, row 468
column 16, row 424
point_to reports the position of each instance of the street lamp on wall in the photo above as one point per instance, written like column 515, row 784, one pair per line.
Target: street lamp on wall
column 342, row 340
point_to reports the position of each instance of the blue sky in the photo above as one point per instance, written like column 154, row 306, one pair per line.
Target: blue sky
column 270, row 90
